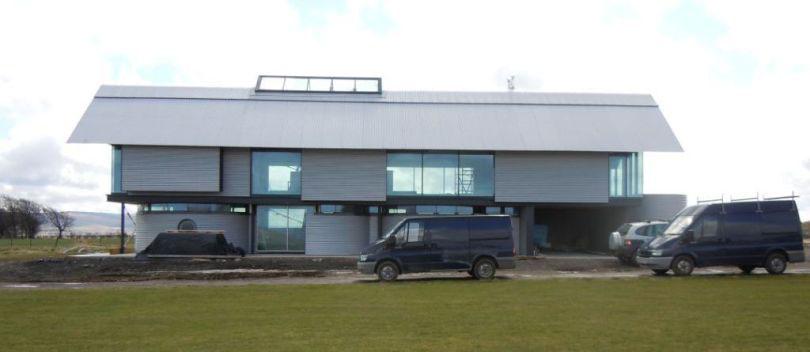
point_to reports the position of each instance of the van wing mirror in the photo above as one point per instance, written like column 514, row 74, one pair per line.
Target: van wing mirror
column 689, row 236
column 390, row 241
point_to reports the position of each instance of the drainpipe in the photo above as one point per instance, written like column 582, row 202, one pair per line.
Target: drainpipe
column 123, row 224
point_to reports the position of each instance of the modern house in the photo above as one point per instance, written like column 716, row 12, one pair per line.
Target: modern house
column 324, row 165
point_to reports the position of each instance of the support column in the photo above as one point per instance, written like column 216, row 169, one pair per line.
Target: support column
column 123, row 228
column 526, row 228
column 373, row 228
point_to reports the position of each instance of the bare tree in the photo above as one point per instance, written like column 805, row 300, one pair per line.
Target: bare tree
column 60, row 220
column 30, row 217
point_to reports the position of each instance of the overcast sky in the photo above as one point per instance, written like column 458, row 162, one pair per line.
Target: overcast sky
column 730, row 76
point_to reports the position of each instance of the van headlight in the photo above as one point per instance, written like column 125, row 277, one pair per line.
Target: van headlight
column 363, row 257
column 656, row 252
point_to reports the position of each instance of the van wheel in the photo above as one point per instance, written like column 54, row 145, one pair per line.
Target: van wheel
column 776, row 263
column 746, row 269
column 484, row 269
column 683, row 266
column 387, row 271
column 660, row 272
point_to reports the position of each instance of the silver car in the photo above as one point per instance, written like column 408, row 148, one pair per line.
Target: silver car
column 626, row 240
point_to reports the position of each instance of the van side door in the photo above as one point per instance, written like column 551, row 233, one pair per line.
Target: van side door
column 449, row 243
column 411, row 248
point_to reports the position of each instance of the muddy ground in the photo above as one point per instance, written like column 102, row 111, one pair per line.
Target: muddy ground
column 294, row 269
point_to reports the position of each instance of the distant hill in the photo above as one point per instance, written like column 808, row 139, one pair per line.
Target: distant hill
column 89, row 223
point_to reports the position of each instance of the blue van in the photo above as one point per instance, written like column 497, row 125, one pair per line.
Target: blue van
column 476, row 244
column 747, row 235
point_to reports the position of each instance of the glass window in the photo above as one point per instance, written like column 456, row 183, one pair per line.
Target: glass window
column 462, row 210
column 440, row 174
column 281, row 228
column 404, row 174
column 116, row 169
column 626, row 175
column 276, row 173
column 426, row 209
column 493, row 210
column 511, row 211
column 476, row 175
column 400, row 234
column 373, row 210
column 707, row 227
column 415, row 231
column 446, row 209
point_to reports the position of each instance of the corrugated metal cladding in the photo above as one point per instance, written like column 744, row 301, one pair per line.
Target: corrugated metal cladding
column 551, row 177
column 235, row 172
column 148, row 226
column 657, row 206
column 332, row 175
column 336, row 234
column 170, row 169
column 395, row 120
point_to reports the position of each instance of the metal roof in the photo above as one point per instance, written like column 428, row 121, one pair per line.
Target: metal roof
column 394, row 120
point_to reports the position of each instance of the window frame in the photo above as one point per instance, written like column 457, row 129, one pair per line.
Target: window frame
column 457, row 179
column 254, row 151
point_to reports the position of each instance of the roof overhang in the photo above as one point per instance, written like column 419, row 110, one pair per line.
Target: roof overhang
column 509, row 121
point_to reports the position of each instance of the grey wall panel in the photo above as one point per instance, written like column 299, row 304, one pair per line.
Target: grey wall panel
column 147, row 226
column 170, row 169
column 235, row 172
column 353, row 175
column 551, row 177
column 657, row 206
column 336, row 234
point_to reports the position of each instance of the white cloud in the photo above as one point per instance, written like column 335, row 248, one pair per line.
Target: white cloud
column 730, row 76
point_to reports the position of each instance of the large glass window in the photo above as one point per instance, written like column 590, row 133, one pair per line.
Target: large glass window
column 626, row 175
column 440, row 174
column 281, row 228
column 116, row 169
column 404, row 174
column 276, row 173
column 476, row 174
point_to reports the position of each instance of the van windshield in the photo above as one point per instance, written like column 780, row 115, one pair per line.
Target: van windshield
column 679, row 225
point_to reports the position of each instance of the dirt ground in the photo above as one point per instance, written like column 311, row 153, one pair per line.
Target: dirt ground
column 117, row 271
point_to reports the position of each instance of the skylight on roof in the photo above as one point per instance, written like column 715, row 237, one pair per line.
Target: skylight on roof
column 315, row 84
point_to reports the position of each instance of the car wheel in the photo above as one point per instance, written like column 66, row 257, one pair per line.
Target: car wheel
column 683, row 266
column 484, row 269
column 776, row 263
column 387, row 271
column 746, row 269
column 660, row 272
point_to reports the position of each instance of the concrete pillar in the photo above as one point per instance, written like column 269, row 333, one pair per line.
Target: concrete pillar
column 373, row 227
column 526, row 225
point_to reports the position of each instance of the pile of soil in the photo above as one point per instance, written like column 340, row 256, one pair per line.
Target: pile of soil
column 126, row 269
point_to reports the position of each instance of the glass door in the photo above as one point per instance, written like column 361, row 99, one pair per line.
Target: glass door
column 281, row 228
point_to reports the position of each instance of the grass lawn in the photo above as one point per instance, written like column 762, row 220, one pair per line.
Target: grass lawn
column 698, row 313
column 23, row 249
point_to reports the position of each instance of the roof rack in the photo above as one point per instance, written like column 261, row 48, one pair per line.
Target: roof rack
column 757, row 198
column 318, row 84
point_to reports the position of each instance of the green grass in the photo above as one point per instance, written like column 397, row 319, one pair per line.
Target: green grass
column 699, row 313
column 23, row 249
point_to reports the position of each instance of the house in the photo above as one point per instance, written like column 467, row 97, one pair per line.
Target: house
column 325, row 165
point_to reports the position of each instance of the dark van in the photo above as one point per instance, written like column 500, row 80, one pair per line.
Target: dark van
column 475, row 244
column 747, row 235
